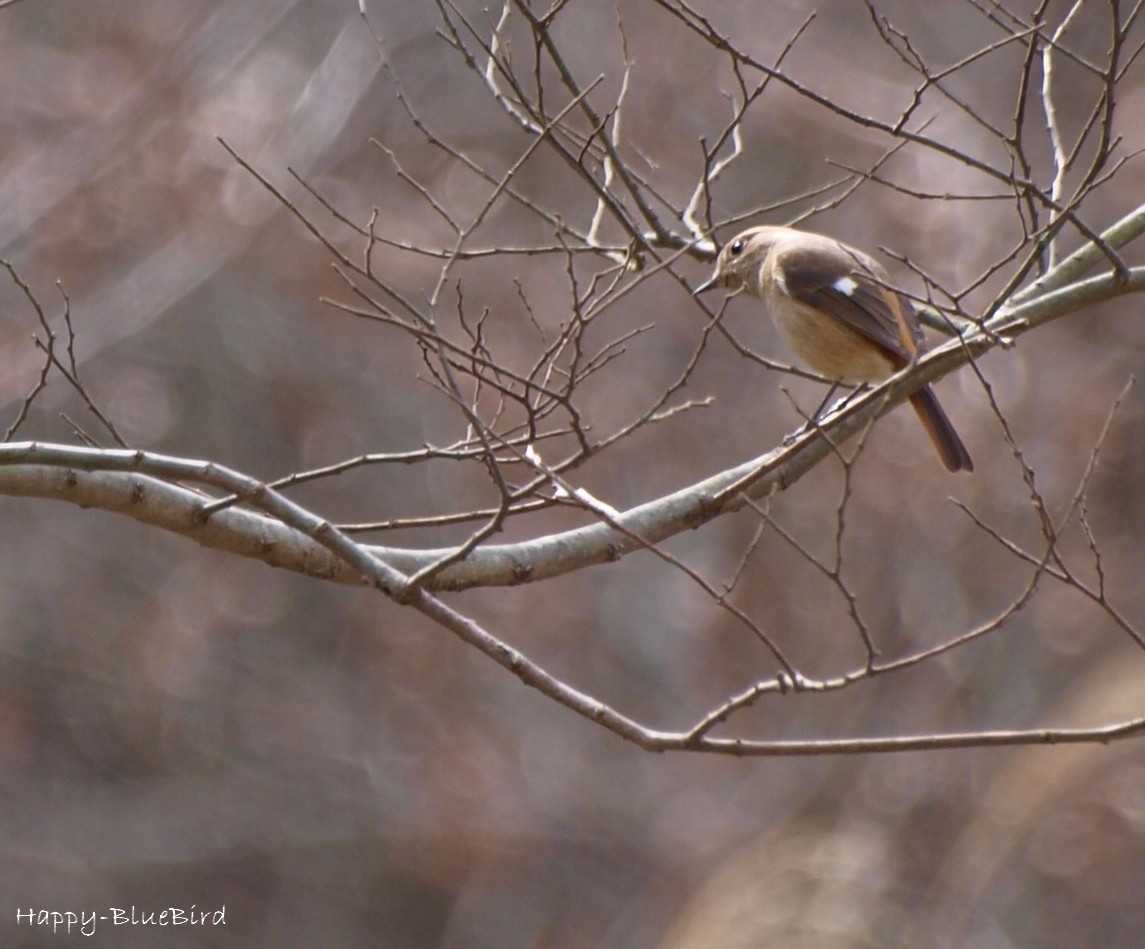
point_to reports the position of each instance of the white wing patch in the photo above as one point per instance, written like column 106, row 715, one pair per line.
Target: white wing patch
column 846, row 285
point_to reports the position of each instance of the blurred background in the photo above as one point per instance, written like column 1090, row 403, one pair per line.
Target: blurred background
column 180, row 727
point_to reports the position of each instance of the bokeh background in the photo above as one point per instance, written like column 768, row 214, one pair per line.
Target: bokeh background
column 179, row 727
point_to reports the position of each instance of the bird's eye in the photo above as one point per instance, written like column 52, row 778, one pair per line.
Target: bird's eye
column 736, row 248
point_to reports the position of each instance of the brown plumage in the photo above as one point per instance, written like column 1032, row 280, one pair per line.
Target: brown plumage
column 830, row 303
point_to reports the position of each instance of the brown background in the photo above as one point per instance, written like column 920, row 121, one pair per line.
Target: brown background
column 180, row 727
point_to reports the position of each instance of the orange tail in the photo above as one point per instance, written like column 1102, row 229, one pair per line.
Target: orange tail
column 950, row 448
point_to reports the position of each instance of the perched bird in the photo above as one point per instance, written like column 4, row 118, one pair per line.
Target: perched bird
column 831, row 303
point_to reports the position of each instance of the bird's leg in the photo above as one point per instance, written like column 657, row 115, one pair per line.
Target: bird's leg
column 843, row 400
column 812, row 419
column 822, row 411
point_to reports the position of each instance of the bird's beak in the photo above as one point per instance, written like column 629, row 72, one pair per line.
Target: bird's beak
column 712, row 281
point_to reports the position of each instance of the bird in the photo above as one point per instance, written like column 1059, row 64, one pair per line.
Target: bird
column 833, row 305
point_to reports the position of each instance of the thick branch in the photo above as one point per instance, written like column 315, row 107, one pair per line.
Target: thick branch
column 76, row 475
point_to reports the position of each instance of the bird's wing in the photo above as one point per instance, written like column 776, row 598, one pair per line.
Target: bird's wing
column 843, row 282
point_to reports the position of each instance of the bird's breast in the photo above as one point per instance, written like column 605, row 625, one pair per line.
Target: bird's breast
column 826, row 344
